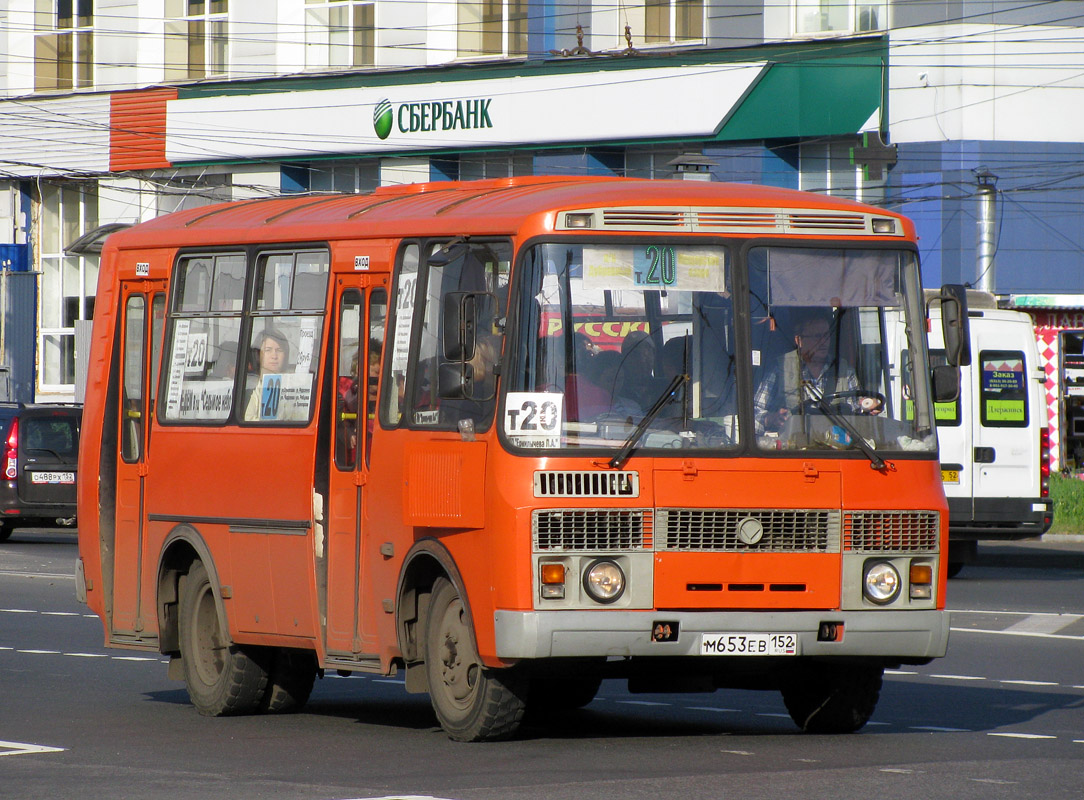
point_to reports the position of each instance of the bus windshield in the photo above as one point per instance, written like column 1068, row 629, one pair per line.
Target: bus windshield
column 640, row 341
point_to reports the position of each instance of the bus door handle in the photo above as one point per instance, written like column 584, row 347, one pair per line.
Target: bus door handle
column 985, row 455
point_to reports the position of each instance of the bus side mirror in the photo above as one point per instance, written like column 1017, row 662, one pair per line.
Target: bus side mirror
column 946, row 383
column 455, row 381
column 460, row 325
column 954, row 325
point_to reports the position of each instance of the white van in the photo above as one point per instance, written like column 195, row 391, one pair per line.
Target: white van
column 995, row 460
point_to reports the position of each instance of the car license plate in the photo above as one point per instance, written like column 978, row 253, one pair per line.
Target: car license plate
column 950, row 476
column 748, row 644
column 52, row 477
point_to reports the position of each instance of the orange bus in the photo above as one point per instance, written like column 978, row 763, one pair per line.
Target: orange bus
column 515, row 437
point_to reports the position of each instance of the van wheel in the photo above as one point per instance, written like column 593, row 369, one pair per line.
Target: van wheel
column 222, row 678
column 5, row 531
column 472, row 702
column 830, row 698
column 290, row 681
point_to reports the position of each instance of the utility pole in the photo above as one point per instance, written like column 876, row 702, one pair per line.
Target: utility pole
column 986, row 241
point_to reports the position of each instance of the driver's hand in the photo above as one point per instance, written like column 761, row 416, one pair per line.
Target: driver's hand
column 775, row 420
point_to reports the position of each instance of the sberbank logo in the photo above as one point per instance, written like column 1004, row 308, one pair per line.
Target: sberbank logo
column 432, row 115
column 383, row 118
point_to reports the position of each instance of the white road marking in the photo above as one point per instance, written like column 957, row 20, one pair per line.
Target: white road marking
column 641, row 703
column 40, row 652
column 1008, row 632
column 1043, row 623
column 897, row 771
column 715, row 709
column 88, row 655
column 959, row 677
column 1030, row 683
column 21, row 748
column 60, row 614
column 1023, row 735
column 899, row 672
column 10, row 573
column 737, row 752
column 938, row 729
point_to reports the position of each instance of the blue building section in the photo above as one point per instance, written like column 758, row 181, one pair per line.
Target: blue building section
column 1040, row 211
column 15, row 257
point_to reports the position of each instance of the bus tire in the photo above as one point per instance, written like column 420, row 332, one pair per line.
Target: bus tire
column 472, row 702
column 290, row 680
column 222, row 678
column 832, row 698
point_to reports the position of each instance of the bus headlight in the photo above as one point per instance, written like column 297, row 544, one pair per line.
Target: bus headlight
column 604, row 581
column 881, row 584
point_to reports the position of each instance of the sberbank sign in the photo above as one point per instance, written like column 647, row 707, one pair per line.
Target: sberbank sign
column 431, row 115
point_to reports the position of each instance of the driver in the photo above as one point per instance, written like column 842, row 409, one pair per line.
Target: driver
column 806, row 373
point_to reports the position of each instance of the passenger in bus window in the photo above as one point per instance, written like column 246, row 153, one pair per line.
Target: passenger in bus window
column 810, row 371
column 272, row 354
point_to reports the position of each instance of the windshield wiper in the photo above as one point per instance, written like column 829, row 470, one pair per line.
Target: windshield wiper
column 668, row 394
column 876, row 462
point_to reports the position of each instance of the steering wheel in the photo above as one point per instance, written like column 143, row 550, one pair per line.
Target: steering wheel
column 834, row 399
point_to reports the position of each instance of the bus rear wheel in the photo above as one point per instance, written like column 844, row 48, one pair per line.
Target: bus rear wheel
column 222, row 678
column 831, row 698
column 290, row 680
column 472, row 702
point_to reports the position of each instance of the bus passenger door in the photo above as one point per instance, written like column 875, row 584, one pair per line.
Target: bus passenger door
column 143, row 304
column 361, row 310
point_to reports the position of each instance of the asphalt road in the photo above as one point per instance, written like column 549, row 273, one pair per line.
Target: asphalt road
column 1002, row 716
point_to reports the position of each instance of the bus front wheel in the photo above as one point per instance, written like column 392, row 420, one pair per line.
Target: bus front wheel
column 832, row 698
column 222, row 678
column 472, row 702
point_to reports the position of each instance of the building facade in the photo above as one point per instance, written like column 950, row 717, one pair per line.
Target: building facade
column 117, row 111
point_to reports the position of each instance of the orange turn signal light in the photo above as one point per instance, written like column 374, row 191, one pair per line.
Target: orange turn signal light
column 553, row 573
column 921, row 573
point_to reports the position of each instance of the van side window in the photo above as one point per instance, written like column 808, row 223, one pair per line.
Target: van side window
column 1003, row 389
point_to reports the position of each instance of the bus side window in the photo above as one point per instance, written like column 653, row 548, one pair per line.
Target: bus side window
column 347, row 394
column 378, row 318
column 478, row 270
column 131, row 434
column 395, row 368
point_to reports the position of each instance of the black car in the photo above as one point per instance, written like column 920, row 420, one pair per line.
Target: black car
column 39, row 461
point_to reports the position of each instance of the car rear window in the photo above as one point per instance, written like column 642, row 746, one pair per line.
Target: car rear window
column 57, row 435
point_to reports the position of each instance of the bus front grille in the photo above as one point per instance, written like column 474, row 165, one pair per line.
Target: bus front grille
column 891, row 531
column 759, row 530
column 586, row 483
column 591, row 529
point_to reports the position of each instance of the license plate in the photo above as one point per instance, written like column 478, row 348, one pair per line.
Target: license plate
column 950, row 476
column 52, row 477
column 748, row 644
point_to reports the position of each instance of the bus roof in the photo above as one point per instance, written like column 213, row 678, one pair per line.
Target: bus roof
column 498, row 206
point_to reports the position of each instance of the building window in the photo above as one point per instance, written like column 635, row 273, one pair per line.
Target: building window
column 197, row 37
column 492, row 28
column 839, row 16
column 68, row 282
column 63, row 44
column 340, row 33
column 671, row 21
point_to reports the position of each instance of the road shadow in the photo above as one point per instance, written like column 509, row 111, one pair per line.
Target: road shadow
column 909, row 706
